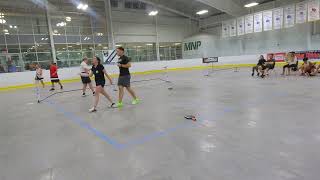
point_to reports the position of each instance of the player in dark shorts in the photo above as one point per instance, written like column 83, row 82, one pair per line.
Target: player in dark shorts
column 124, row 77
column 54, row 76
column 99, row 72
column 85, row 79
column 259, row 67
column 39, row 75
column 270, row 64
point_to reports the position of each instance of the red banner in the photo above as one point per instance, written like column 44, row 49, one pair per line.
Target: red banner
column 280, row 57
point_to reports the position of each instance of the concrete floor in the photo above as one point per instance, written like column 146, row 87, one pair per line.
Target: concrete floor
column 247, row 129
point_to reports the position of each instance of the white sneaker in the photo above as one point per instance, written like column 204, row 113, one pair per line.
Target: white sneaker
column 92, row 110
column 84, row 95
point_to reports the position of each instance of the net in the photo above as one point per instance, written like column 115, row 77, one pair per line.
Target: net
column 43, row 94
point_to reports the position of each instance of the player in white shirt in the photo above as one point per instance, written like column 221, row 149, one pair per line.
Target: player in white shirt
column 84, row 73
column 39, row 75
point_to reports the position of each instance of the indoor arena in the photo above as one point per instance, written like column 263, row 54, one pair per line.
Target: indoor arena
column 159, row 89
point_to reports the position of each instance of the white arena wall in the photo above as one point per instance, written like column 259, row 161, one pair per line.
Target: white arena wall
column 22, row 78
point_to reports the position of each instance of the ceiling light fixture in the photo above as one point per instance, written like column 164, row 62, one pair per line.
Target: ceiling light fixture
column 85, row 7
column 251, row 4
column 2, row 21
column 202, row 12
column 153, row 13
column 82, row 6
column 61, row 24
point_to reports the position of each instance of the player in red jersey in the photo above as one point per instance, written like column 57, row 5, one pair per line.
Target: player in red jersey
column 54, row 76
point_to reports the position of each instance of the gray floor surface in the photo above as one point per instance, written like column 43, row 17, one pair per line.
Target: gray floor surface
column 248, row 128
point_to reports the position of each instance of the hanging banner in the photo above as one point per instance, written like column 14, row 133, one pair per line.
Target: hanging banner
column 313, row 10
column 277, row 18
column 301, row 12
column 225, row 29
column 233, row 27
column 257, row 18
column 249, row 24
column 289, row 14
column 240, row 26
column 267, row 20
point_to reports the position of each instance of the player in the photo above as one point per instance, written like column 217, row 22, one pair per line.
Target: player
column 54, row 76
column 84, row 74
column 39, row 75
column 124, row 77
column 99, row 72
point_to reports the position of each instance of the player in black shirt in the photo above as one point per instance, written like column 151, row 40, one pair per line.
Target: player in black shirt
column 99, row 72
column 270, row 64
column 124, row 77
column 260, row 66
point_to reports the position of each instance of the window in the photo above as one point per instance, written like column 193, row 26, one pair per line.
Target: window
column 170, row 51
column 114, row 3
column 134, row 5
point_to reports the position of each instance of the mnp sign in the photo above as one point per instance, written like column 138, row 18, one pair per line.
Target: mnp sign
column 192, row 45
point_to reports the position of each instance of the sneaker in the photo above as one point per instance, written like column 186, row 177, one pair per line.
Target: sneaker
column 262, row 76
column 61, row 87
column 93, row 93
column 252, row 74
column 119, row 105
column 258, row 74
column 136, row 101
column 52, row 89
column 92, row 110
column 113, row 105
column 83, row 94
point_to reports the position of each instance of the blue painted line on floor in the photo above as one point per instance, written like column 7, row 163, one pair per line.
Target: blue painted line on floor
column 155, row 135
column 152, row 136
column 85, row 125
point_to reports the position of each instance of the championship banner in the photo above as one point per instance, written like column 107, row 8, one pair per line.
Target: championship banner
column 240, row 26
column 289, row 16
column 257, row 19
column 301, row 12
column 233, row 27
column 225, row 29
column 277, row 18
column 313, row 10
column 248, row 24
column 267, row 20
